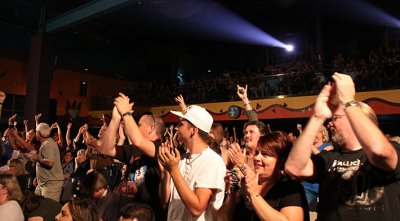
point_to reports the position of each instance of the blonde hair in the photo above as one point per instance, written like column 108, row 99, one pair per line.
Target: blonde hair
column 395, row 139
column 11, row 184
column 325, row 134
column 18, row 165
column 367, row 110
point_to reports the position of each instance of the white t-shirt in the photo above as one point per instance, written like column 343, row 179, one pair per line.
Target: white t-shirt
column 205, row 170
column 11, row 211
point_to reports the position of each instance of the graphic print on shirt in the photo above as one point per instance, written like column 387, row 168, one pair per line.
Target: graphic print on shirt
column 358, row 184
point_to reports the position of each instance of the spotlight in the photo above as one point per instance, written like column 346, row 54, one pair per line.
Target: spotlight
column 289, row 48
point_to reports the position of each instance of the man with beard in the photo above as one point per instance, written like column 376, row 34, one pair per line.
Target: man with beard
column 252, row 130
column 359, row 179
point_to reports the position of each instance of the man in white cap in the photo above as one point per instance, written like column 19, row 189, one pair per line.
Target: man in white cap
column 49, row 174
column 194, row 185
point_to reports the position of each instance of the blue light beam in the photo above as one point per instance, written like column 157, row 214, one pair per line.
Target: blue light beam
column 213, row 21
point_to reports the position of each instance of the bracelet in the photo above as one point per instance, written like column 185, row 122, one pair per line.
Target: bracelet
column 351, row 104
column 129, row 113
column 249, row 198
column 257, row 195
column 243, row 167
column 248, row 103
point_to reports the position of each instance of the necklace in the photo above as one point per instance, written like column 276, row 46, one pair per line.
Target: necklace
column 187, row 172
column 190, row 159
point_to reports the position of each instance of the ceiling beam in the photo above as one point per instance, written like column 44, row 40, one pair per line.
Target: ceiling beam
column 83, row 13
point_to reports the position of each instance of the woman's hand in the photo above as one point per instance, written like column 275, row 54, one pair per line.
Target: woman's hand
column 237, row 156
column 251, row 180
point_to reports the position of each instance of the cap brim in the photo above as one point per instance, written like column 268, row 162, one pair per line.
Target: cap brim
column 178, row 113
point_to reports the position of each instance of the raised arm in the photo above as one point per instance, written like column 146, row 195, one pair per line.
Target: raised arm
column 179, row 99
column 79, row 134
column 121, row 135
column 376, row 146
column 60, row 136
column 132, row 130
column 299, row 162
column 26, row 128
column 68, row 135
column 110, row 136
column 250, row 113
column 11, row 120
column 37, row 118
column 21, row 142
column 11, row 139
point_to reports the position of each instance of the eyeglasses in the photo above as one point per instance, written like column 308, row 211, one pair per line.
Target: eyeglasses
column 337, row 116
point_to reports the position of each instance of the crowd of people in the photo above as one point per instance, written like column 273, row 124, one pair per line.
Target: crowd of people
column 294, row 77
column 141, row 170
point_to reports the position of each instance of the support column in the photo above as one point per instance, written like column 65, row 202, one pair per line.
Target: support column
column 39, row 75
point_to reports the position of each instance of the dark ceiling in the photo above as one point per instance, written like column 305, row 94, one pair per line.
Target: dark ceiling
column 147, row 39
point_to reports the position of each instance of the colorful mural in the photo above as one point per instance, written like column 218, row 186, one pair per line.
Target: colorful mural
column 383, row 102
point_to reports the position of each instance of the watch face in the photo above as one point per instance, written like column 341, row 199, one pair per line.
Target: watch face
column 351, row 104
column 234, row 112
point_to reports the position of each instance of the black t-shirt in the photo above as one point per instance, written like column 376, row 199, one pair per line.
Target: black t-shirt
column 81, row 170
column 351, row 188
column 135, row 159
column 284, row 193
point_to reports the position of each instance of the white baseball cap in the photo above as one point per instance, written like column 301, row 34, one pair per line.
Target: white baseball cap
column 198, row 116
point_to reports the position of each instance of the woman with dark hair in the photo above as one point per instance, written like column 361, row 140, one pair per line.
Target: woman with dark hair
column 78, row 210
column 137, row 212
column 217, row 134
column 266, row 193
column 10, row 197
column 38, row 208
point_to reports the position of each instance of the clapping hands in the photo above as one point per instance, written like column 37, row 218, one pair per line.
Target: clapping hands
column 168, row 157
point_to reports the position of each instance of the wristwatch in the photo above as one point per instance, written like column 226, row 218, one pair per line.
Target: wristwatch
column 351, row 104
